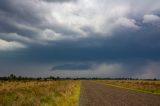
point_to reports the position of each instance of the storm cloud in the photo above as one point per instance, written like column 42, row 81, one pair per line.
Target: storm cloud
column 80, row 38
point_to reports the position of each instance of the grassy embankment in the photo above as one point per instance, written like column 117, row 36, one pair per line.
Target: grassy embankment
column 39, row 93
column 140, row 85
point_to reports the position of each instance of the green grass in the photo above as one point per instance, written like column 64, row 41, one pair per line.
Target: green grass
column 139, row 85
column 39, row 93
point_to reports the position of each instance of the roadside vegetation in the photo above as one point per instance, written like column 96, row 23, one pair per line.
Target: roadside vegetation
column 151, row 86
column 39, row 93
column 56, row 91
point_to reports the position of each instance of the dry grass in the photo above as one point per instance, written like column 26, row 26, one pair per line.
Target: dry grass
column 142, row 85
column 39, row 93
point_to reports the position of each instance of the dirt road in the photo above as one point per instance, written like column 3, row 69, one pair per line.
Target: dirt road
column 93, row 94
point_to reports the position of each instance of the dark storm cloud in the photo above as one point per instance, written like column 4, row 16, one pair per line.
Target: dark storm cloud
column 16, row 18
column 60, row 1
column 26, row 20
column 76, row 36
column 18, row 12
column 129, row 46
column 72, row 66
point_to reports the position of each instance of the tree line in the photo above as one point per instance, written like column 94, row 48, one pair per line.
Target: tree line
column 14, row 77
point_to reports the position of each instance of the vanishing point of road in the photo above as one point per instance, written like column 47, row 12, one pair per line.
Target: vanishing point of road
column 94, row 94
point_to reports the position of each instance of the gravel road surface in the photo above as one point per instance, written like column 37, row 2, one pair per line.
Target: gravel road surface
column 94, row 94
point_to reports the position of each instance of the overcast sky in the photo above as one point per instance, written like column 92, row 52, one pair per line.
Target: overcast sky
column 80, row 38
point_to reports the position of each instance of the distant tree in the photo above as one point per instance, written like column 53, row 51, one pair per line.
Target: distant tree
column 154, row 79
column 12, row 77
column 19, row 78
column 58, row 77
column 39, row 78
column 52, row 78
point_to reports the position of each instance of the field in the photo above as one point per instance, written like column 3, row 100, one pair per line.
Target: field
column 39, row 93
column 142, row 85
column 79, row 92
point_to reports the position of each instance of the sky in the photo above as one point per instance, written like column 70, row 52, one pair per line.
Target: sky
column 80, row 38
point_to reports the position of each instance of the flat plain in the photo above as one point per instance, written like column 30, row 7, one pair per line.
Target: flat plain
column 80, row 93
column 39, row 93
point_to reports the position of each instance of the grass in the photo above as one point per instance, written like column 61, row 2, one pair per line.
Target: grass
column 60, row 92
column 140, row 85
column 39, row 93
